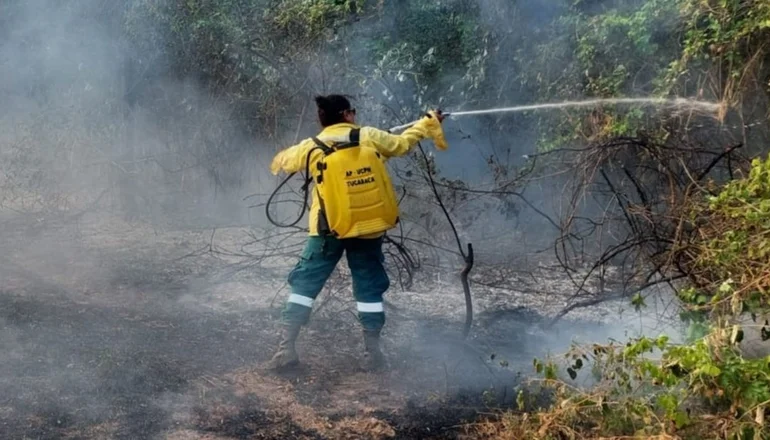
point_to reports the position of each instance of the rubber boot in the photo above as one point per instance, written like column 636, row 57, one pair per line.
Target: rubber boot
column 374, row 360
column 286, row 356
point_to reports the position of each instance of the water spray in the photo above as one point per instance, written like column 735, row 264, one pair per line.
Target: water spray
column 704, row 106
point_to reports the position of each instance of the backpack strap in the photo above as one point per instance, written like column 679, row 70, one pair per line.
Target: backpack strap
column 322, row 146
column 355, row 136
column 354, row 139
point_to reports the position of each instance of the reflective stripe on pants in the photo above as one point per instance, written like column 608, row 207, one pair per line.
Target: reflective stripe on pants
column 301, row 300
column 370, row 307
column 317, row 262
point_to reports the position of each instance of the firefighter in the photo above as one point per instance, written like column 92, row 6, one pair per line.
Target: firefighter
column 351, row 174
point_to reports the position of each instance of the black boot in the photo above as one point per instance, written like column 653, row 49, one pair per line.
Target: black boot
column 286, row 356
column 374, row 360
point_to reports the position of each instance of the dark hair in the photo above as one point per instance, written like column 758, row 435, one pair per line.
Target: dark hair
column 331, row 109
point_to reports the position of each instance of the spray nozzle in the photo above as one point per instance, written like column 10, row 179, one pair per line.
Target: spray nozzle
column 441, row 114
column 405, row 126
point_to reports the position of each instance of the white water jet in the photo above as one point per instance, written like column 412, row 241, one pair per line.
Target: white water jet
column 705, row 106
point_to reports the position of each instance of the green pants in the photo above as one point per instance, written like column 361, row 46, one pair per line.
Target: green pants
column 316, row 264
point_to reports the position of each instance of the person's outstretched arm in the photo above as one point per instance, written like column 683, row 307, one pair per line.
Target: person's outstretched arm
column 292, row 159
column 393, row 145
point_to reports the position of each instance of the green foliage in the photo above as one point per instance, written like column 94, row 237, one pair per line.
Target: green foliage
column 747, row 199
column 421, row 52
column 443, row 38
column 429, row 49
column 618, row 52
column 643, row 48
column 616, row 47
column 652, row 387
column 253, row 53
column 726, row 34
column 304, row 21
column 732, row 262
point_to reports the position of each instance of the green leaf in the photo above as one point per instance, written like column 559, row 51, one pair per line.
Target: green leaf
column 668, row 403
column 681, row 419
column 550, row 371
column 709, row 370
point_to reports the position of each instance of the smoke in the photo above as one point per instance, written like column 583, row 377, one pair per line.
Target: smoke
column 515, row 232
column 124, row 168
column 95, row 160
column 84, row 113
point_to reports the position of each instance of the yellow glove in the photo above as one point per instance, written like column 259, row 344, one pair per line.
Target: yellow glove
column 278, row 162
column 435, row 132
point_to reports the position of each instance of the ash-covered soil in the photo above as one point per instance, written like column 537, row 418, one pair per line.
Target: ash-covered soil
column 113, row 330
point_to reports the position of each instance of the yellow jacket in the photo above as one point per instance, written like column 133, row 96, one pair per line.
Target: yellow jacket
column 293, row 159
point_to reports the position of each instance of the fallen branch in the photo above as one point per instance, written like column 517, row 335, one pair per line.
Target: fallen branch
column 467, row 290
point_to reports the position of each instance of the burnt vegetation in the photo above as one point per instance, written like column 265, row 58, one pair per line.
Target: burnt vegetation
column 141, row 283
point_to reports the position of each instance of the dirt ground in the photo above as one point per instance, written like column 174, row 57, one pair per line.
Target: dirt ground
column 113, row 330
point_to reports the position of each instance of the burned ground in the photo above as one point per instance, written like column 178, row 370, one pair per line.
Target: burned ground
column 108, row 332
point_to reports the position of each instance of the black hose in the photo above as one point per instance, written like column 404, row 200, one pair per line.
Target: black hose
column 305, row 188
